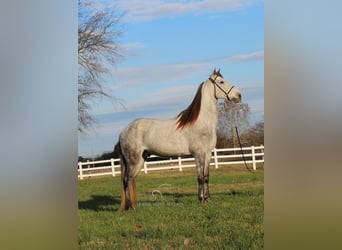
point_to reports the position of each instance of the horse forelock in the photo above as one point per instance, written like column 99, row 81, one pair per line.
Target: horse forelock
column 190, row 114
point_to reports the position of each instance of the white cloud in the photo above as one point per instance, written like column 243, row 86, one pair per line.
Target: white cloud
column 110, row 128
column 252, row 86
column 137, row 10
column 132, row 49
column 158, row 74
column 171, row 99
column 131, row 77
column 175, row 90
column 254, row 56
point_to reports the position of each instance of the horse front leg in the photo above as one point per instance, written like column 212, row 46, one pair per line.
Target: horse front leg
column 200, row 189
column 202, row 166
column 200, row 178
column 206, row 195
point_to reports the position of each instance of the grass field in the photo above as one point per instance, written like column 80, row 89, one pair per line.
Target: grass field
column 169, row 215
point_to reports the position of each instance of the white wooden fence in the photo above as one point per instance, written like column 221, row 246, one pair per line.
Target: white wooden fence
column 225, row 156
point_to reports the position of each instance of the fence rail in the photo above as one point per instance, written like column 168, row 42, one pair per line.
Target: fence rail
column 224, row 156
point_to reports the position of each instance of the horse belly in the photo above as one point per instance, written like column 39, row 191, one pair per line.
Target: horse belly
column 168, row 149
column 166, row 142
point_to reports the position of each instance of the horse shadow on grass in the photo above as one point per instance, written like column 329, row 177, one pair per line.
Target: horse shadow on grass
column 110, row 203
column 100, row 203
column 177, row 195
column 186, row 197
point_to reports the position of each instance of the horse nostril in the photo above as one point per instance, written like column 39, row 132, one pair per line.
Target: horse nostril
column 239, row 96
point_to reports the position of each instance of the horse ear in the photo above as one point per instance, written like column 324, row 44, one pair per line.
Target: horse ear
column 214, row 73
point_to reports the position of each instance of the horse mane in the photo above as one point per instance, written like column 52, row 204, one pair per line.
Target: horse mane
column 190, row 114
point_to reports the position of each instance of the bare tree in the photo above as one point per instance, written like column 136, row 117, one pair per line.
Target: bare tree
column 230, row 115
column 97, row 51
column 255, row 134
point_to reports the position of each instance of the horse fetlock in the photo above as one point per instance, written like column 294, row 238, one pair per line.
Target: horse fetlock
column 204, row 199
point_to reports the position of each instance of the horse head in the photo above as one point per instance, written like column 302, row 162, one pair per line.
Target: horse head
column 223, row 89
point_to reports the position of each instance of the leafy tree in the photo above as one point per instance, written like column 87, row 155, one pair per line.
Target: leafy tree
column 97, row 50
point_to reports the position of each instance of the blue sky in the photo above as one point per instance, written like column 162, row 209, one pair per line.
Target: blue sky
column 170, row 47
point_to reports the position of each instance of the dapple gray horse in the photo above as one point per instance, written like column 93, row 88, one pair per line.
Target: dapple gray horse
column 192, row 132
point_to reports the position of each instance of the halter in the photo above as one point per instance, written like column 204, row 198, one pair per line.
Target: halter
column 227, row 93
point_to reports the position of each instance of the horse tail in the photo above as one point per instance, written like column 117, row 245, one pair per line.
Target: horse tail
column 128, row 189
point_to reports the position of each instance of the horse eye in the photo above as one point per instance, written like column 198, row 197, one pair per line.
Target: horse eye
column 221, row 82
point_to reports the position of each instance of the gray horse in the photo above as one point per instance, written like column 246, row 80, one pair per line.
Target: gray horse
column 192, row 132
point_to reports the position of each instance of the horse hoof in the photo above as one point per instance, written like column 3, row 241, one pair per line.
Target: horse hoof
column 204, row 200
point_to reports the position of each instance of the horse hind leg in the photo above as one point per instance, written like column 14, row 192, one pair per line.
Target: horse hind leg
column 128, row 194
column 129, row 170
column 125, row 199
column 125, row 193
column 133, row 193
column 123, row 204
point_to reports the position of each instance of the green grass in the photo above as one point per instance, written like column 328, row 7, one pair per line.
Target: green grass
column 175, row 220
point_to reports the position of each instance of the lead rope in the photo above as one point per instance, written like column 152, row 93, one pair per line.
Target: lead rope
column 243, row 155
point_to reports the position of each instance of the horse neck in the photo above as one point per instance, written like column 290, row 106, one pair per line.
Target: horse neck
column 209, row 110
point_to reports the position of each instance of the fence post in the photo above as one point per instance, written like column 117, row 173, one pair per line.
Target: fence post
column 145, row 167
column 180, row 164
column 253, row 158
column 112, row 164
column 80, row 168
column 215, row 158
